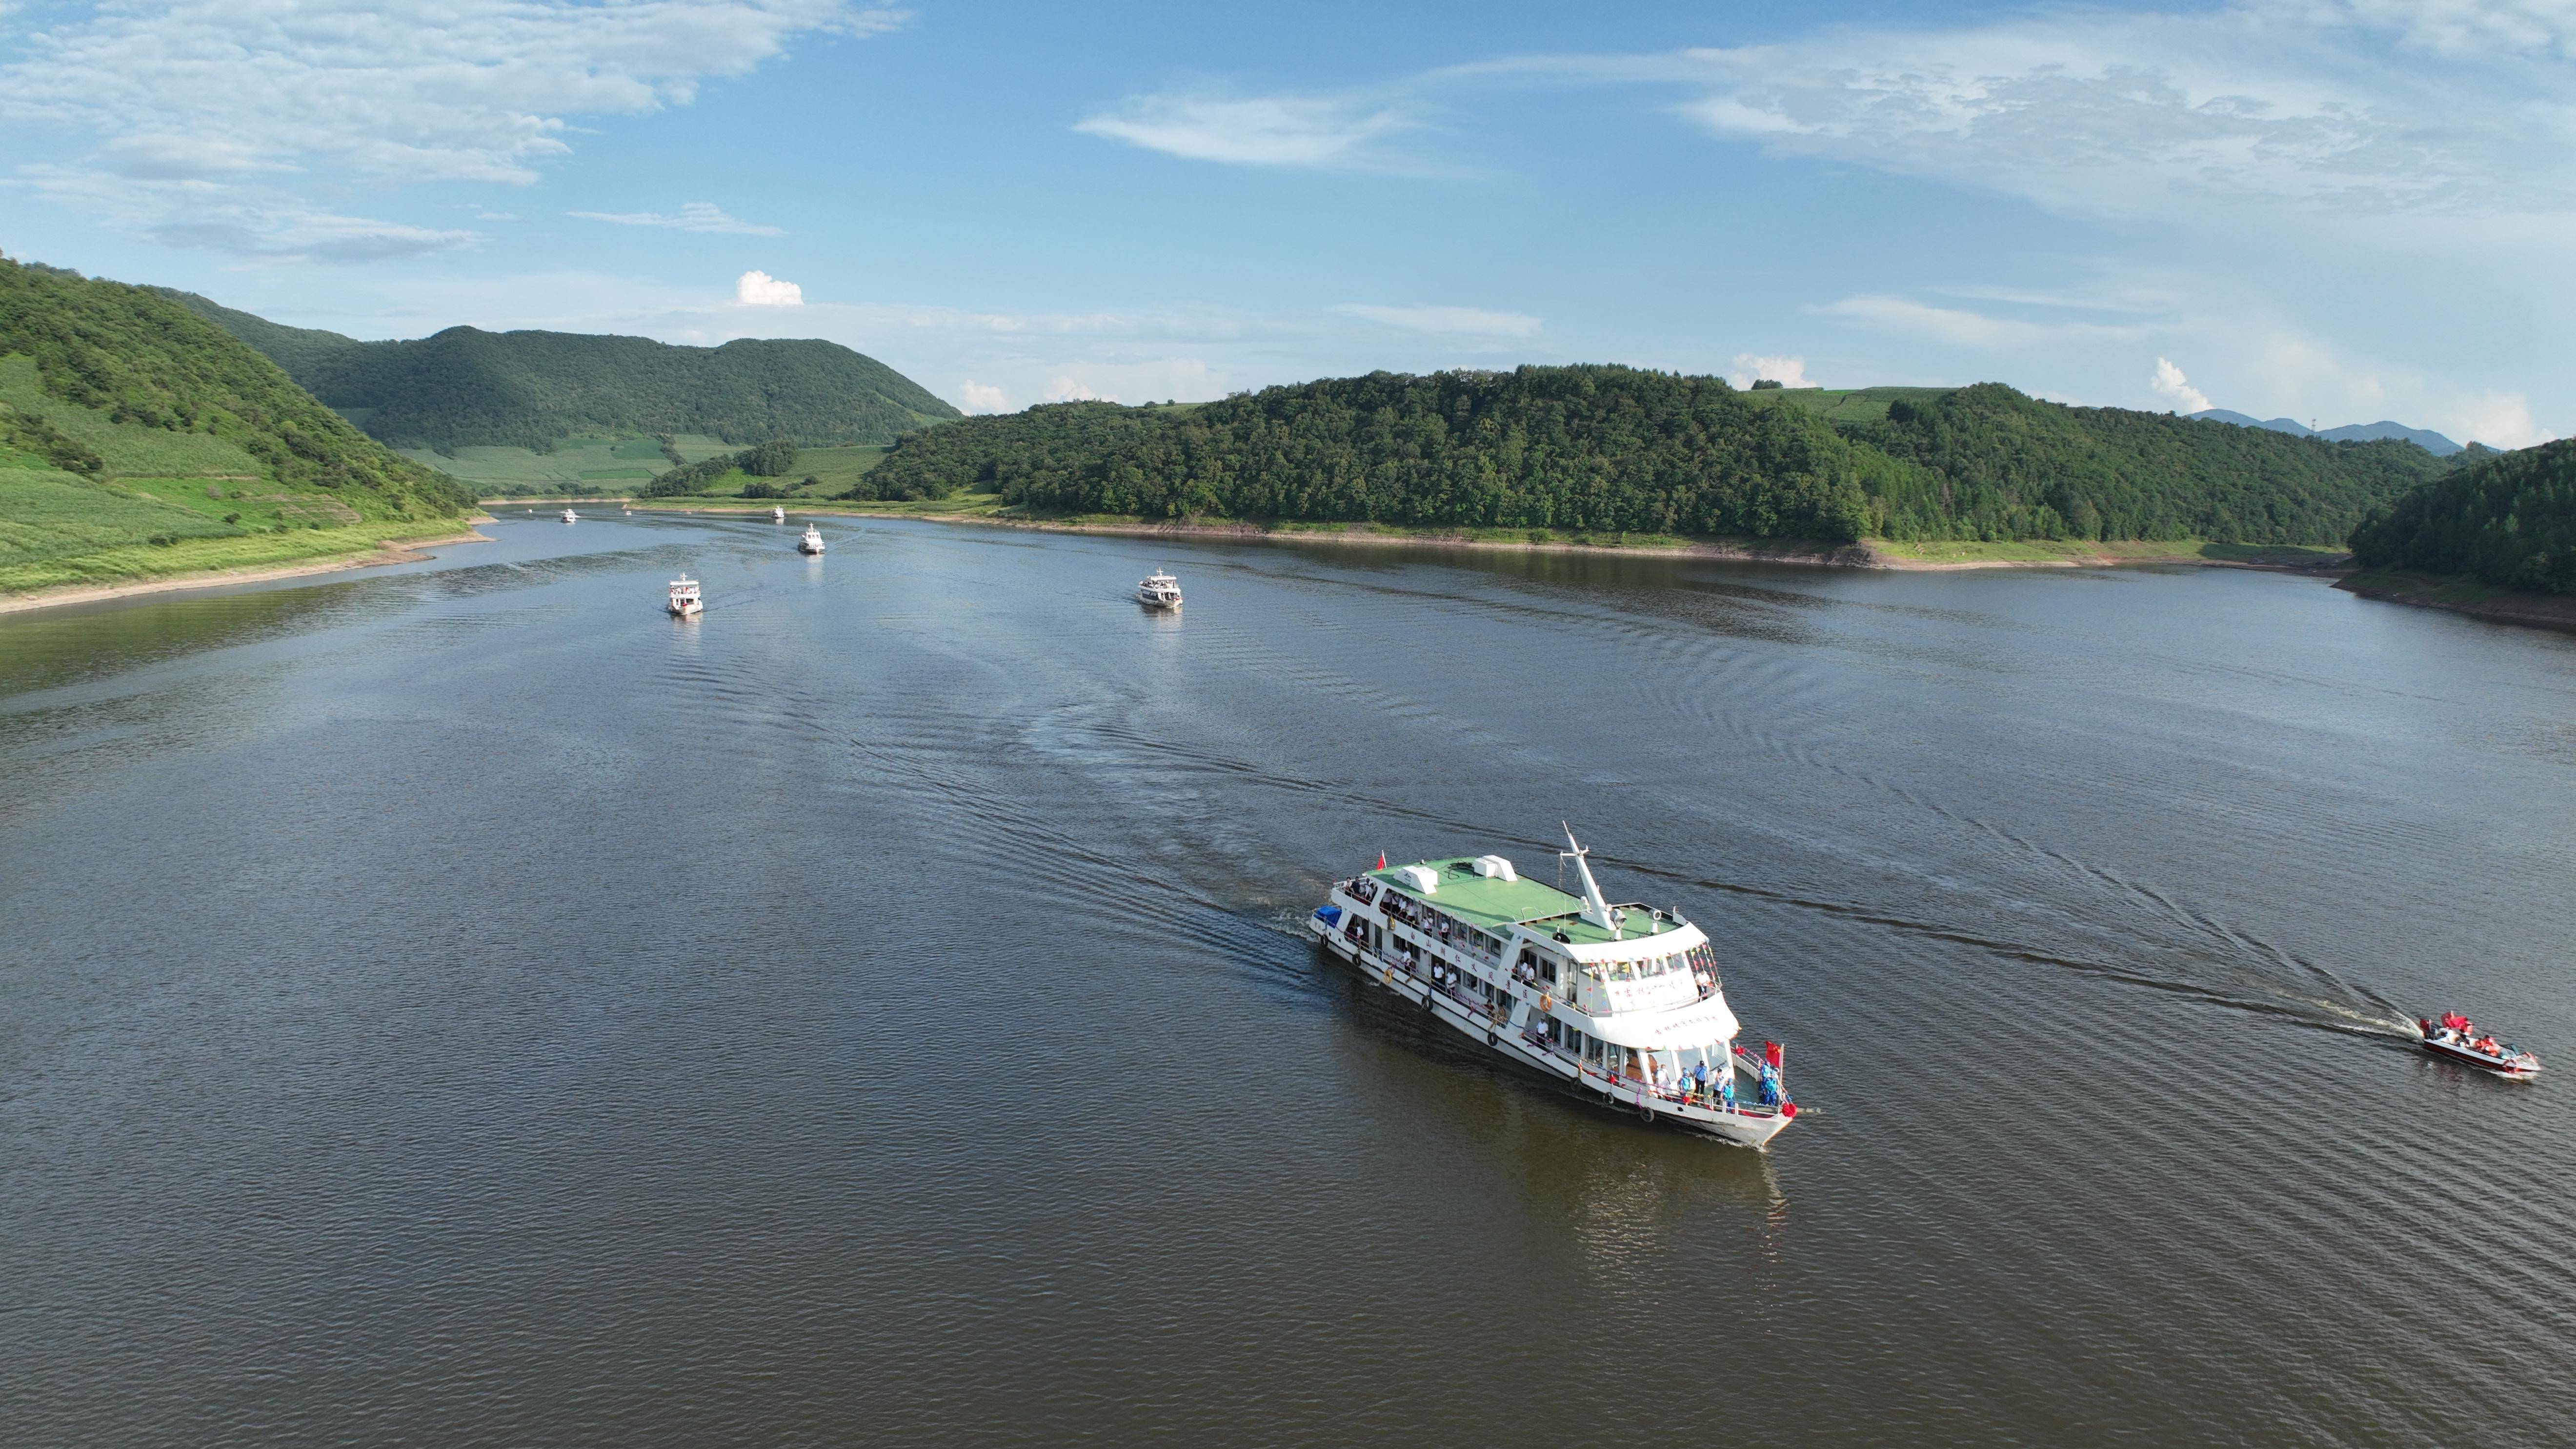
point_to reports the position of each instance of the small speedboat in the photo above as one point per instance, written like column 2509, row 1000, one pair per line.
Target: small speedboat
column 684, row 598
column 571, row 517
column 812, row 542
column 1159, row 590
column 2456, row 1038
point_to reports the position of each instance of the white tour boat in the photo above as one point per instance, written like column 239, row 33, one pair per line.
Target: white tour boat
column 684, row 597
column 1622, row 1003
column 571, row 517
column 812, row 542
column 778, row 513
column 1159, row 591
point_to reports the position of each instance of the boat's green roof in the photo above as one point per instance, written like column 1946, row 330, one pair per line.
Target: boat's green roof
column 1497, row 905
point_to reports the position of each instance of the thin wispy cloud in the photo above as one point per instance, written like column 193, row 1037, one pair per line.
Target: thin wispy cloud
column 692, row 216
column 1320, row 133
column 1466, row 323
column 2295, row 105
column 1961, row 328
column 256, row 109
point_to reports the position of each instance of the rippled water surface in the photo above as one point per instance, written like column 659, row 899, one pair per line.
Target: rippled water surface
column 461, row 1005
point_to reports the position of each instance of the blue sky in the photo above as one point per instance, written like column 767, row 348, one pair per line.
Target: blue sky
column 2340, row 210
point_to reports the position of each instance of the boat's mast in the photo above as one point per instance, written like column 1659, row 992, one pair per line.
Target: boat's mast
column 1595, row 909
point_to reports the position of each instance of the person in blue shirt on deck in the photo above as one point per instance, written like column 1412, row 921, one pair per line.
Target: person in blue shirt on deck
column 1770, row 1085
column 1726, row 1088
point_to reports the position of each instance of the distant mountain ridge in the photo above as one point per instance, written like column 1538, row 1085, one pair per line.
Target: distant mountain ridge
column 465, row 387
column 2425, row 438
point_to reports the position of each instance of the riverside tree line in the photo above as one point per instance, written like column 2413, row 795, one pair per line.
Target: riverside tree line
column 1602, row 449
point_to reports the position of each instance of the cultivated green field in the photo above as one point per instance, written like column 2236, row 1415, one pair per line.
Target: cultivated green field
column 171, row 503
column 45, row 514
column 126, row 450
column 577, row 466
column 1853, row 405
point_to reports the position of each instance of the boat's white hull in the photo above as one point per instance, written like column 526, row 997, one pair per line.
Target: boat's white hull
column 687, row 611
column 1748, row 1126
column 2510, row 1069
column 811, row 550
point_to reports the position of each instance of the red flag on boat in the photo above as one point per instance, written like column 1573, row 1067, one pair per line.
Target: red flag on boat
column 1381, row 860
column 1771, row 1052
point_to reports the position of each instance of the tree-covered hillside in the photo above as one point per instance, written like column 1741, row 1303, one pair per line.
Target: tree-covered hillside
column 465, row 387
column 1993, row 463
column 2507, row 519
column 1594, row 448
column 303, row 351
column 1614, row 448
column 137, row 381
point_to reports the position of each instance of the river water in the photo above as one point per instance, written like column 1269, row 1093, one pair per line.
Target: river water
column 458, row 1004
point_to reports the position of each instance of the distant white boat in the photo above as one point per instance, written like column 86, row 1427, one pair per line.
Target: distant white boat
column 812, row 542
column 777, row 513
column 571, row 517
column 1159, row 591
column 684, row 597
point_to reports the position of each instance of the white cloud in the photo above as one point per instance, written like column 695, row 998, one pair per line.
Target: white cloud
column 692, row 216
column 1065, row 389
column 1453, row 322
column 760, row 289
column 977, row 397
column 255, row 222
column 2460, row 27
column 1786, row 371
column 2497, row 419
column 1331, row 133
column 1957, row 327
column 2259, row 106
column 2170, row 384
column 307, row 97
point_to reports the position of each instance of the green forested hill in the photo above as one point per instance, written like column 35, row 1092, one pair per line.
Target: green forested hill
column 303, row 351
column 1993, row 463
column 2508, row 520
column 1595, row 448
column 467, row 387
column 141, row 374
column 138, row 439
column 1614, row 448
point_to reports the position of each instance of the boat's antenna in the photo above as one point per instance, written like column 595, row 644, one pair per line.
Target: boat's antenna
column 1595, row 909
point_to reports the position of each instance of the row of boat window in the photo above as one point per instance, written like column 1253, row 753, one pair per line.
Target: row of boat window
column 1698, row 958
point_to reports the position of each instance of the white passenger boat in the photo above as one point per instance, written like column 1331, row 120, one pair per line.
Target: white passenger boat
column 684, row 597
column 2455, row 1038
column 1622, row 1003
column 812, row 542
column 777, row 513
column 1159, row 591
column 571, row 517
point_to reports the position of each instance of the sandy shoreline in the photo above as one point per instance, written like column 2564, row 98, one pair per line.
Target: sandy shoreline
column 2532, row 611
column 1812, row 555
column 390, row 551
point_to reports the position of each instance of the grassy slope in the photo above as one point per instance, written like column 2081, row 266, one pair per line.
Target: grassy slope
column 615, row 467
column 158, row 507
column 578, row 467
column 1851, row 405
